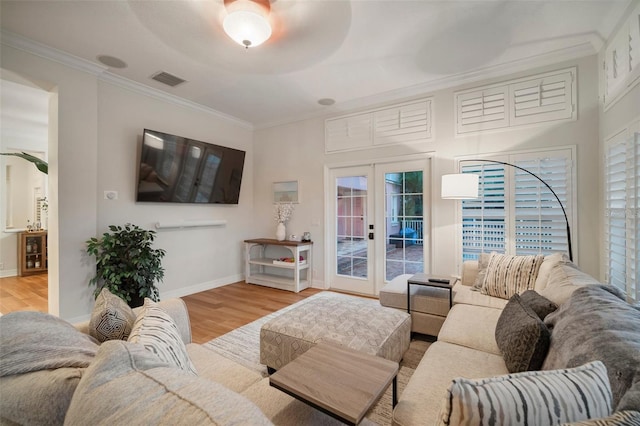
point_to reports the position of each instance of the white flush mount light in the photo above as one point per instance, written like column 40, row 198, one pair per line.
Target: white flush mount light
column 247, row 21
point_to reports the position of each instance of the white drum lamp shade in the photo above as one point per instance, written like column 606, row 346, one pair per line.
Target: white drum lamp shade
column 460, row 186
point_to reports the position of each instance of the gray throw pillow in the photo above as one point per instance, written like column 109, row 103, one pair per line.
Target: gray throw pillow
column 483, row 262
column 620, row 418
column 521, row 336
column 540, row 304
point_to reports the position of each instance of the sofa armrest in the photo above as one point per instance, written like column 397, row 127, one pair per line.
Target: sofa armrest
column 177, row 310
column 469, row 272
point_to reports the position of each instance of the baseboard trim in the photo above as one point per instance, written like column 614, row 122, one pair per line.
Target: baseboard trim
column 197, row 288
column 9, row 273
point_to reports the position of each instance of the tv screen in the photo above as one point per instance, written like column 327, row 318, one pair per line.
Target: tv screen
column 175, row 169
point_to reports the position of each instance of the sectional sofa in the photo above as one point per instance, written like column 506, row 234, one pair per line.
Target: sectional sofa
column 592, row 323
column 61, row 375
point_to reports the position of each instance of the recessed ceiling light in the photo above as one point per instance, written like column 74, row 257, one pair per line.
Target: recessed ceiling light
column 326, row 101
column 112, row 61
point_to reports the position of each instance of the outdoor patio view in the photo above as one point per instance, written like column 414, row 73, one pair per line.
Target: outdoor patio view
column 403, row 230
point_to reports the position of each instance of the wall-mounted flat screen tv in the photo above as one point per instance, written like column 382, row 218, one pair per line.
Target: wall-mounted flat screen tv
column 175, row 169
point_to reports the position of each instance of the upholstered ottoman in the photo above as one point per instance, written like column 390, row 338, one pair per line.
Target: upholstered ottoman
column 358, row 323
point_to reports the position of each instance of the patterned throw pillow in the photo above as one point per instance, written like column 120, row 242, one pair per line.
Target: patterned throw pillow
column 508, row 275
column 522, row 337
column 530, row 398
column 540, row 304
column 111, row 318
column 158, row 333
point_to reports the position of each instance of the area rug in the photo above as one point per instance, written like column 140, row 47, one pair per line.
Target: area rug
column 242, row 345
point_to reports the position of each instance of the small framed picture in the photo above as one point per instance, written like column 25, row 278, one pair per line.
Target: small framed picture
column 286, row 192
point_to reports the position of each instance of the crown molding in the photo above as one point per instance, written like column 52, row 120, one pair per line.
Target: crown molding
column 22, row 43
column 586, row 48
column 580, row 50
column 142, row 89
column 102, row 73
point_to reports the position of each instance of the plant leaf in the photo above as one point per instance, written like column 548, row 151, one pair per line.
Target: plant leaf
column 41, row 165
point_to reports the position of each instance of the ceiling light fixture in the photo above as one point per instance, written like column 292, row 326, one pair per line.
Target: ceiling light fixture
column 247, row 21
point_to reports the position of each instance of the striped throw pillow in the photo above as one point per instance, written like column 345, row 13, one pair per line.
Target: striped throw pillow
column 508, row 275
column 157, row 332
column 530, row 398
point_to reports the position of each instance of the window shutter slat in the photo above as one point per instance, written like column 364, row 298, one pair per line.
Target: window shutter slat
column 622, row 186
column 542, row 99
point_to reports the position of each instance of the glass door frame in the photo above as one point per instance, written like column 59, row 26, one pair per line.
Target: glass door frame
column 380, row 171
column 409, row 162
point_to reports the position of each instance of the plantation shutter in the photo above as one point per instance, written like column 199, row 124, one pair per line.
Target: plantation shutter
column 540, row 225
column 622, row 227
column 482, row 109
column 404, row 123
column 346, row 133
column 515, row 213
column 542, row 99
column 483, row 219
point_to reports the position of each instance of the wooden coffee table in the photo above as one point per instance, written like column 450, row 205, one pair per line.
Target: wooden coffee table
column 338, row 381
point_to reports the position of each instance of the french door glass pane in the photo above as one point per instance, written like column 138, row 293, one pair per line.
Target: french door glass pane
column 404, row 220
column 351, row 220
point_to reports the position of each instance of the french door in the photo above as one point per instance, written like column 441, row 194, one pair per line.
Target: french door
column 376, row 224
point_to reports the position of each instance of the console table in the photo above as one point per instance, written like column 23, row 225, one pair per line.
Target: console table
column 262, row 265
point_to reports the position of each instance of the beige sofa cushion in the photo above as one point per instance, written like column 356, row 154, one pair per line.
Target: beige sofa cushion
column 463, row 294
column 547, row 266
column 213, row 366
column 127, row 384
column 422, row 399
column 564, row 279
column 473, row 327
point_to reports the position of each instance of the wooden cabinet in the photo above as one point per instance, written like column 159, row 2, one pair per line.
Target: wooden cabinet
column 264, row 267
column 32, row 253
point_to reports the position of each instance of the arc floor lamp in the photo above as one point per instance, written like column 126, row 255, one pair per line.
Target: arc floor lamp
column 464, row 186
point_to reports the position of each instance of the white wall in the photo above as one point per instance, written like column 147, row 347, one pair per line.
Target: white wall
column 296, row 152
column 197, row 258
column 94, row 132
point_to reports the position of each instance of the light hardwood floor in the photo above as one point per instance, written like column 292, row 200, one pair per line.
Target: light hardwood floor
column 24, row 293
column 213, row 312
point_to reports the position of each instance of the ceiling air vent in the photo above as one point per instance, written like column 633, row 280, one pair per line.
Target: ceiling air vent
column 168, row 79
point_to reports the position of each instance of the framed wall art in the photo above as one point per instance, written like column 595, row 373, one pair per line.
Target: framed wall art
column 286, row 192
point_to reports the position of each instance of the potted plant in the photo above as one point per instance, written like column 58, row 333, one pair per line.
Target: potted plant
column 126, row 264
